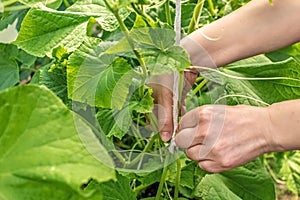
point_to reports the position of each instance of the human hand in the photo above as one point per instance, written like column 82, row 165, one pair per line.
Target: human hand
column 224, row 137
column 162, row 86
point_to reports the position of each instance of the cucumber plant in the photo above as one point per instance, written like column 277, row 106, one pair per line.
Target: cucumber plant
column 85, row 114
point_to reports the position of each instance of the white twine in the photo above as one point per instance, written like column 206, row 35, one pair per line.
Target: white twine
column 177, row 28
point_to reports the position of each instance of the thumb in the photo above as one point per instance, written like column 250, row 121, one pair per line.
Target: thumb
column 165, row 115
column 162, row 86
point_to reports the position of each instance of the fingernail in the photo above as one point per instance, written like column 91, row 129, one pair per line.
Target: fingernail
column 165, row 136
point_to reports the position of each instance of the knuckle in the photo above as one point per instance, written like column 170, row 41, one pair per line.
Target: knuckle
column 205, row 113
column 226, row 163
column 218, row 149
column 191, row 155
column 204, row 166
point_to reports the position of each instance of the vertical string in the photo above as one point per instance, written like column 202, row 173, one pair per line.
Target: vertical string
column 177, row 28
column 177, row 25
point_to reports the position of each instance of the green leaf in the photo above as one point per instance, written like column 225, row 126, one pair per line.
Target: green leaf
column 84, row 69
column 288, row 164
column 50, row 4
column 116, row 190
column 8, row 18
column 240, row 183
column 248, row 83
column 105, row 18
column 94, row 78
column 47, row 152
column 114, row 83
column 9, row 69
column 285, row 53
column 55, row 81
column 45, row 29
column 142, row 104
column 157, row 49
column 160, row 62
column 114, row 122
column 118, row 122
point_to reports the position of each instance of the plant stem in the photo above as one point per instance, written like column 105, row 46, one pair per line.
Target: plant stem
column 198, row 88
column 168, row 12
column 147, row 148
column 163, row 177
column 67, row 4
column 9, row 2
column 196, row 16
column 177, row 181
column 142, row 13
column 180, row 89
column 177, row 25
column 137, row 135
column 139, row 188
column 211, row 8
column 28, row 69
column 119, row 156
column 126, row 32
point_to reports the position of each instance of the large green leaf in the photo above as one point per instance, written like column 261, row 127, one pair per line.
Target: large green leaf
column 94, row 78
column 43, row 151
column 84, row 67
column 156, row 47
column 114, row 83
column 44, row 29
column 105, row 17
column 259, row 84
column 242, row 183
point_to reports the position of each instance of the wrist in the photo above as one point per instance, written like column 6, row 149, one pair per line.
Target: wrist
column 284, row 125
column 211, row 47
column 198, row 51
column 272, row 136
column 262, row 127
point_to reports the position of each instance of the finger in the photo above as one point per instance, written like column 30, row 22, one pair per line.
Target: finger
column 190, row 78
column 186, row 137
column 162, row 86
column 211, row 166
column 199, row 152
column 165, row 117
column 189, row 120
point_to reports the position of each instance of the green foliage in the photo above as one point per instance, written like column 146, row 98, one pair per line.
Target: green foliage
column 47, row 158
column 247, row 81
column 12, row 61
column 240, row 183
column 9, row 70
column 8, row 18
column 84, row 70
column 50, row 152
column 286, row 167
column 121, row 185
column 50, row 4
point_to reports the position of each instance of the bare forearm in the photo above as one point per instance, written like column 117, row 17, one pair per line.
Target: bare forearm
column 255, row 28
column 285, row 125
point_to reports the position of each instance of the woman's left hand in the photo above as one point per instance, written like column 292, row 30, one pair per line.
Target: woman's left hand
column 224, row 137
